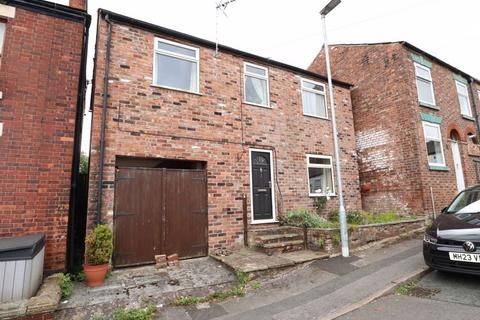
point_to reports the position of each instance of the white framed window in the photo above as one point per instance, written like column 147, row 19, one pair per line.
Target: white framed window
column 3, row 27
column 320, row 175
column 424, row 84
column 255, row 84
column 433, row 140
column 314, row 99
column 462, row 92
column 176, row 66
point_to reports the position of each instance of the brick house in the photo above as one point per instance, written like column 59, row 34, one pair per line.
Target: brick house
column 42, row 81
column 182, row 140
column 415, row 124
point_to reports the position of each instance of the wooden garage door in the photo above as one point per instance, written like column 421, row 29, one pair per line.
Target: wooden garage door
column 159, row 211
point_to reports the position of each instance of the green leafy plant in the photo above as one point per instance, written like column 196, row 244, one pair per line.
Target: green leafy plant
column 242, row 277
column 405, row 288
column 303, row 218
column 99, row 245
column 83, row 163
column 134, row 314
column 66, row 285
column 336, row 239
column 320, row 203
column 364, row 217
column 78, row 277
column 256, row 285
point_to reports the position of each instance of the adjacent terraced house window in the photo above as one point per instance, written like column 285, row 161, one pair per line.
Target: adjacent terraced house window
column 3, row 26
column 256, row 85
column 433, row 139
column 424, row 85
column 320, row 175
column 463, row 99
column 314, row 99
column 176, row 66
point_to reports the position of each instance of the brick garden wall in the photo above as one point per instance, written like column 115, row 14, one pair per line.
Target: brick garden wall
column 215, row 127
column 39, row 78
column 393, row 165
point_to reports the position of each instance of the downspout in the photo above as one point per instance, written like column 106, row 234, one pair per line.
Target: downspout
column 104, row 120
column 77, row 146
column 471, row 81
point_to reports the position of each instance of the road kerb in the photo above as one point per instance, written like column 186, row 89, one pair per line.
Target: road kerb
column 394, row 284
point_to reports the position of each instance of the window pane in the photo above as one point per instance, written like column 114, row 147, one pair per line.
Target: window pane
column 422, row 72
column 320, row 180
column 312, row 86
column 256, row 90
column 462, row 89
column 424, row 91
column 314, row 104
column 464, row 107
column 255, row 70
column 176, row 49
column 176, row 73
column 2, row 33
column 323, row 161
column 431, row 132
column 434, row 151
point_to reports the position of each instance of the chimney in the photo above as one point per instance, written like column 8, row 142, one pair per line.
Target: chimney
column 78, row 4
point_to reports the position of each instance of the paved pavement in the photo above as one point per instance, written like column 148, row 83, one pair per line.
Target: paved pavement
column 320, row 291
column 452, row 296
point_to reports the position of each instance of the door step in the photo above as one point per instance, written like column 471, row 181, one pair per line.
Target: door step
column 279, row 240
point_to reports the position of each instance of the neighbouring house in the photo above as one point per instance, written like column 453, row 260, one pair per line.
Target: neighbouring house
column 415, row 122
column 189, row 148
column 42, row 80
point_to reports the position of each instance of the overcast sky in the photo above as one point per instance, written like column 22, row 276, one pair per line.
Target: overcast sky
column 290, row 31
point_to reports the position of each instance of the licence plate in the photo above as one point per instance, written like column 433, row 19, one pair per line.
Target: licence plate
column 465, row 257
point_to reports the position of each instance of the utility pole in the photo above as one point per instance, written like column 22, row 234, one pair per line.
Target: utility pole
column 341, row 210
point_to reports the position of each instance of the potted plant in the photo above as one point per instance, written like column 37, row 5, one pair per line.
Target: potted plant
column 98, row 250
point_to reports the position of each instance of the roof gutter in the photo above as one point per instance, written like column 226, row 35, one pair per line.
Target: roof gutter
column 206, row 43
column 50, row 8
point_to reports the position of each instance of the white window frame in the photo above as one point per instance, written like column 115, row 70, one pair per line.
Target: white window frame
column 254, row 75
column 324, row 166
column 437, row 126
column 178, row 56
column 3, row 36
column 274, row 211
column 427, row 79
column 324, row 94
column 458, row 83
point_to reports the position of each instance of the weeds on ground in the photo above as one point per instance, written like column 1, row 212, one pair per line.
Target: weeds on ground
column 146, row 313
column 66, row 285
column 256, row 285
column 405, row 288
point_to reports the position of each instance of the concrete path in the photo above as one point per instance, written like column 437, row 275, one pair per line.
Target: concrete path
column 324, row 290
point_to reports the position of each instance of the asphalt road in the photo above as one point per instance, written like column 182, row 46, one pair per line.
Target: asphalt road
column 439, row 295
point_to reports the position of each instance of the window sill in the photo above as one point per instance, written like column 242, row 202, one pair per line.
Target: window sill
column 317, row 117
column 438, row 168
column 263, row 221
column 175, row 89
column 466, row 117
column 257, row 105
column 428, row 105
column 316, row 195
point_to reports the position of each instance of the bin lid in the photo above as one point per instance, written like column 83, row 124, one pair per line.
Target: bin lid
column 21, row 248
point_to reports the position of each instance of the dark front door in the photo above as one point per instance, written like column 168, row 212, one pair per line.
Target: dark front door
column 262, row 195
column 159, row 211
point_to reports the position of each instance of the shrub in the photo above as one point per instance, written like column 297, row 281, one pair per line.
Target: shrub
column 364, row 217
column 66, row 285
column 99, row 245
column 303, row 218
column 320, row 203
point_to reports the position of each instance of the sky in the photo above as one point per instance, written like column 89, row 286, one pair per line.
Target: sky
column 290, row 31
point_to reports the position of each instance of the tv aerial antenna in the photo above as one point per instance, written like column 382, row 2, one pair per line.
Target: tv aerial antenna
column 221, row 6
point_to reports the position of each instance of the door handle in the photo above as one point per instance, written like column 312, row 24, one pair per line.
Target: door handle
column 261, row 190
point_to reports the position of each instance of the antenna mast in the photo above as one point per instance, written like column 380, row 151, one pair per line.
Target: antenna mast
column 221, row 6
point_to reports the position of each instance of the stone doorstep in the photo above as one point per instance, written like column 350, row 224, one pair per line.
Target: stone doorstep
column 279, row 236
column 45, row 301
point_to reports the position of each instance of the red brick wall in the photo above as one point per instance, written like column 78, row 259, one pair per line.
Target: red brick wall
column 39, row 78
column 146, row 121
column 393, row 164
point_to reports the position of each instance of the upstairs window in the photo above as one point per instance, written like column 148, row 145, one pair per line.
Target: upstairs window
column 433, row 139
column 256, row 85
column 314, row 99
column 424, row 85
column 320, row 175
column 3, row 26
column 176, row 66
column 463, row 99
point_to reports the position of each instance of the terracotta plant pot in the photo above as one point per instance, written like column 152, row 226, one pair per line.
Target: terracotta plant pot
column 95, row 275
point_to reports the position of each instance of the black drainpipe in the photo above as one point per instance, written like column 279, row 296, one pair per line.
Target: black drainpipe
column 77, row 147
column 104, row 120
column 471, row 81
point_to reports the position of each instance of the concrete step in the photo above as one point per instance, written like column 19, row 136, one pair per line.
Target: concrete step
column 273, row 238
column 281, row 247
